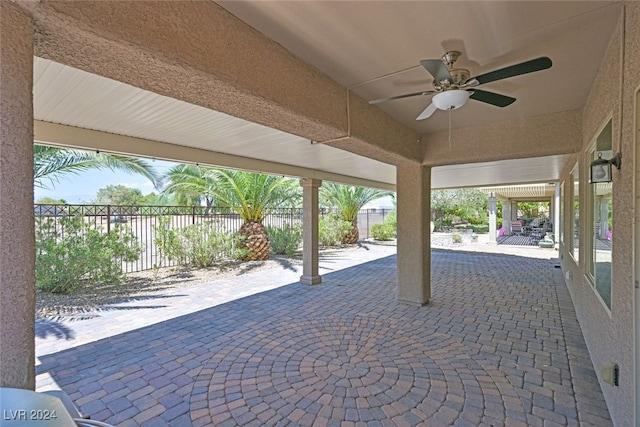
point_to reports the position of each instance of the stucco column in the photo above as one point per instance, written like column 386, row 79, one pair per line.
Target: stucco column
column 556, row 214
column 413, row 186
column 310, row 214
column 492, row 218
column 17, row 248
column 514, row 210
column 506, row 215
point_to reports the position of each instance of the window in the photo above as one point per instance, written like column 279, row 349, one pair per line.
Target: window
column 575, row 213
column 601, row 208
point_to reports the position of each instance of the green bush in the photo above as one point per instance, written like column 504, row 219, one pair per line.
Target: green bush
column 166, row 241
column 197, row 245
column 441, row 225
column 382, row 231
column 482, row 228
column 456, row 237
column 285, row 240
column 392, row 219
column 72, row 250
column 331, row 230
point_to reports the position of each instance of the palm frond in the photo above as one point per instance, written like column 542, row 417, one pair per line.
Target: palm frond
column 252, row 195
column 190, row 183
column 349, row 199
column 53, row 163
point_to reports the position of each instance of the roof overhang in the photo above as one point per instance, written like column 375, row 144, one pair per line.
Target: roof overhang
column 521, row 192
column 74, row 108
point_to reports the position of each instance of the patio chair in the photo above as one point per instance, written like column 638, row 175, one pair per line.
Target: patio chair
column 538, row 233
column 516, row 228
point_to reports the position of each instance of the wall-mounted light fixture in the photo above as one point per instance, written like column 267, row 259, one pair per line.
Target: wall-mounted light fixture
column 601, row 168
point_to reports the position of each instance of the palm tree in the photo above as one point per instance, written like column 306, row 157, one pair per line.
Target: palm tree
column 52, row 163
column 191, row 184
column 252, row 196
column 348, row 200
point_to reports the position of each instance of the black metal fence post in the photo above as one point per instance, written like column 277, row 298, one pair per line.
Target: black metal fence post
column 108, row 218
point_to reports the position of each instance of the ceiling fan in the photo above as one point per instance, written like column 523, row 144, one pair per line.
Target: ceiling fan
column 454, row 86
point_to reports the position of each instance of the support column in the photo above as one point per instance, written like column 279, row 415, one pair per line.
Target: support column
column 514, row 210
column 17, row 247
column 413, row 186
column 506, row 215
column 556, row 215
column 492, row 218
column 310, row 214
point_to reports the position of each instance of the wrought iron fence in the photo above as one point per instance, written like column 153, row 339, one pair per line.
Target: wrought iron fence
column 142, row 221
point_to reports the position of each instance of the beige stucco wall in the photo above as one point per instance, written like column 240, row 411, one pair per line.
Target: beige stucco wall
column 610, row 335
column 546, row 135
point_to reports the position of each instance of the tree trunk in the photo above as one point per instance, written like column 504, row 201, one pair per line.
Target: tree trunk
column 351, row 238
column 255, row 240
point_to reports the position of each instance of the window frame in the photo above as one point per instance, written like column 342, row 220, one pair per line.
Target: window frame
column 574, row 190
column 603, row 288
column 561, row 213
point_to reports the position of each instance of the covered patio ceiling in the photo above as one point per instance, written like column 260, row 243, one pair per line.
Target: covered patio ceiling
column 371, row 48
column 527, row 191
column 79, row 109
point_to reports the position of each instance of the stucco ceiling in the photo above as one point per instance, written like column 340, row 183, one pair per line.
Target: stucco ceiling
column 373, row 48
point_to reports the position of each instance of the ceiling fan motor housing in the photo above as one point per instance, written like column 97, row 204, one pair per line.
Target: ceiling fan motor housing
column 459, row 77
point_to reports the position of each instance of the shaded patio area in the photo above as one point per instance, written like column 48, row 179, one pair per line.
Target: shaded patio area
column 498, row 345
column 517, row 241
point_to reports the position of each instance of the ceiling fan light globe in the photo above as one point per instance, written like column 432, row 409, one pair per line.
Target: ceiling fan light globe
column 450, row 99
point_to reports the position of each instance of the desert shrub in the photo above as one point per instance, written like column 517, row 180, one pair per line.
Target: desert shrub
column 285, row 240
column 167, row 242
column 441, row 225
column 382, row 231
column 456, row 237
column 331, row 230
column 71, row 251
column 197, row 245
column 392, row 219
column 480, row 228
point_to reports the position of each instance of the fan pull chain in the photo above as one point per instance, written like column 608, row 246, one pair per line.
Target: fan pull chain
column 450, row 128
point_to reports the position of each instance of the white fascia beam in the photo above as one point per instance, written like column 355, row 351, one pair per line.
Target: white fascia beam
column 47, row 133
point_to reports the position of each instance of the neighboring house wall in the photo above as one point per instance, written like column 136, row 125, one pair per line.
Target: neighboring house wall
column 609, row 334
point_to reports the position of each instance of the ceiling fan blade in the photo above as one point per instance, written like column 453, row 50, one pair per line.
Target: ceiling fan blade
column 515, row 70
column 408, row 95
column 491, row 98
column 431, row 108
column 437, row 69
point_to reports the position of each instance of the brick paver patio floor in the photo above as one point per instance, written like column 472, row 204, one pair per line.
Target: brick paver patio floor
column 498, row 345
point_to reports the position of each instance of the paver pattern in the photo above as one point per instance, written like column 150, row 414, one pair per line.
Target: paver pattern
column 498, row 345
